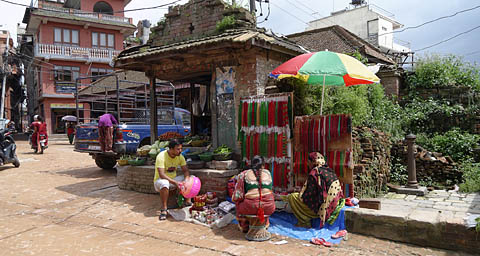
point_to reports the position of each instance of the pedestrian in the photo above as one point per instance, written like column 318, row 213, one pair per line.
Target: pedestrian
column 105, row 131
column 70, row 132
column 166, row 177
column 254, row 200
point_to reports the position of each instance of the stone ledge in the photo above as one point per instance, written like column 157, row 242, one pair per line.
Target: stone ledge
column 140, row 179
column 414, row 227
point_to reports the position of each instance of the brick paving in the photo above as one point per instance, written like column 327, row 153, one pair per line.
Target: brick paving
column 59, row 203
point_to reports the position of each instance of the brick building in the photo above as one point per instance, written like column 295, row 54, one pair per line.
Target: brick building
column 207, row 42
column 70, row 39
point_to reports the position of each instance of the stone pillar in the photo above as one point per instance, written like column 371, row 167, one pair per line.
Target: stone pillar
column 391, row 81
column 412, row 172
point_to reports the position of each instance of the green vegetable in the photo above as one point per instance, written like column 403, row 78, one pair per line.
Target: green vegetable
column 223, row 150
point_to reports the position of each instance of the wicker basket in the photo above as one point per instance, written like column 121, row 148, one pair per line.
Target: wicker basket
column 137, row 162
column 222, row 157
column 206, row 157
column 196, row 164
column 122, row 162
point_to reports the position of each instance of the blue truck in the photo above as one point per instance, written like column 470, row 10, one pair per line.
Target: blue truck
column 130, row 100
column 128, row 137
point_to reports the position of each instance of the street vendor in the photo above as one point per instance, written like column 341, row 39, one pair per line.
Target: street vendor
column 320, row 195
column 166, row 177
column 254, row 200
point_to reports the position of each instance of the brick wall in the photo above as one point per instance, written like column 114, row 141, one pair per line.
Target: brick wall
column 196, row 19
column 140, row 179
column 371, row 150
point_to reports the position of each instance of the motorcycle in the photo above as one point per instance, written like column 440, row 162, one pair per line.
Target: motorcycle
column 42, row 141
column 8, row 149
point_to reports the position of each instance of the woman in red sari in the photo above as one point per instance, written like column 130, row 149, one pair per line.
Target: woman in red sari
column 39, row 132
column 254, row 200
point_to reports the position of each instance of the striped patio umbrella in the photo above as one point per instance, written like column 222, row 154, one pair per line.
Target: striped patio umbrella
column 326, row 68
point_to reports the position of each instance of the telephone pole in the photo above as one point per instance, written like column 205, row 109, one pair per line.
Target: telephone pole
column 252, row 6
column 5, row 65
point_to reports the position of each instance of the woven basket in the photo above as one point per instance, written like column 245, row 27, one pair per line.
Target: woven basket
column 206, row 157
column 122, row 162
column 222, row 157
column 137, row 162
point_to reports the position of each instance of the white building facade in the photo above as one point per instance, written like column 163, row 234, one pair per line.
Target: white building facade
column 368, row 22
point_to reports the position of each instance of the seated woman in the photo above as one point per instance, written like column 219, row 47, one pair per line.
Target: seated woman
column 319, row 196
column 254, row 200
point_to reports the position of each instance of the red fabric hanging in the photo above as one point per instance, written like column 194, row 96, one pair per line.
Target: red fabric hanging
column 315, row 136
column 245, row 114
column 337, row 163
column 247, row 147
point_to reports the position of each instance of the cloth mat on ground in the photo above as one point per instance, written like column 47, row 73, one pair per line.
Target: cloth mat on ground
column 283, row 223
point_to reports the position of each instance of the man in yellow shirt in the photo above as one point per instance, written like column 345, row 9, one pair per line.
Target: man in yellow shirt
column 166, row 177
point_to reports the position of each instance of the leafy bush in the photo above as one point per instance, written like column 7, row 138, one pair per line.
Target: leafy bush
column 398, row 172
column 433, row 71
column 471, row 175
column 455, row 143
column 432, row 116
column 228, row 22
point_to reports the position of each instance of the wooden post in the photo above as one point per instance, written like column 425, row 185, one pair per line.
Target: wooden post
column 153, row 110
column 192, row 118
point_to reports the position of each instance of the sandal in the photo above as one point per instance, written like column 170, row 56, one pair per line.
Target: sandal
column 187, row 204
column 163, row 215
column 320, row 241
column 339, row 234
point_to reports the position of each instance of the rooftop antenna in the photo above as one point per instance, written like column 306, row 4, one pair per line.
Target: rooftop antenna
column 357, row 3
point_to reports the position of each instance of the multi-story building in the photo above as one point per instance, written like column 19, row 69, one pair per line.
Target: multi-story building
column 71, row 39
column 369, row 22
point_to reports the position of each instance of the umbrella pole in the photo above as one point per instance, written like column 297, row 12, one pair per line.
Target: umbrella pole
column 323, row 93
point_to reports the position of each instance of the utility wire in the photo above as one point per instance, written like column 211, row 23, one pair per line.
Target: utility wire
column 448, row 39
column 471, row 53
column 287, row 12
column 431, row 21
column 122, row 11
column 266, row 17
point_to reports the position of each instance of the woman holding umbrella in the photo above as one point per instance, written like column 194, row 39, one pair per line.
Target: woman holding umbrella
column 70, row 127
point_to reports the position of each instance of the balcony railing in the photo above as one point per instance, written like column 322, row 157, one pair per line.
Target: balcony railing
column 91, row 15
column 61, row 52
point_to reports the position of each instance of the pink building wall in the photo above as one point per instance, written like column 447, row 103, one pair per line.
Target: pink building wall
column 47, row 79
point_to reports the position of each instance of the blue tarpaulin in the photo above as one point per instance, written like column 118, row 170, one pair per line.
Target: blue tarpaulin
column 283, row 223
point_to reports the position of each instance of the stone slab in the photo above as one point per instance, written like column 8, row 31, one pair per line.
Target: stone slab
column 420, row 191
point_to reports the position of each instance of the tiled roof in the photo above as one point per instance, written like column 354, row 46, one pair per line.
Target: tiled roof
column 234, row 36
column 338, row 39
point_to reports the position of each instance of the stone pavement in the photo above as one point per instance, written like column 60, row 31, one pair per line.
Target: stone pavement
column 60, row 203
column 436, row 220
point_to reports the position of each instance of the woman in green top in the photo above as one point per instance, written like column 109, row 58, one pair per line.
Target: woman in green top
column 253, row 195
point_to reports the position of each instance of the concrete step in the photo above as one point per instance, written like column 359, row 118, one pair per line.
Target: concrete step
column 437, row 220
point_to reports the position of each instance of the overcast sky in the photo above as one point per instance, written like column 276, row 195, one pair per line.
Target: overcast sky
column 290, row 16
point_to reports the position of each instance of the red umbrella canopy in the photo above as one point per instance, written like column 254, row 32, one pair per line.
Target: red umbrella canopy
column 326, row 68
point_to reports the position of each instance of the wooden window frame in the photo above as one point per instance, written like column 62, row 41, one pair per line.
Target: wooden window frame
column 62, row 36
column 98, row 37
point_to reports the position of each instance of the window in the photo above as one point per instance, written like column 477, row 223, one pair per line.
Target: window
column 66, row 73
column 384, row 29
column 103, row 40
column 65, row 36
column 99, row 71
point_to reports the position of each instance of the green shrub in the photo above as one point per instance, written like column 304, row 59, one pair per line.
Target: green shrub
column 471, row 175
column 455, row 143
column 228, row 22
column 398, row 172
column 432, row 116
column 434, row 71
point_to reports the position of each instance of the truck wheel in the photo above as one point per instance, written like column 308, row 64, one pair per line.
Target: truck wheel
column 105, row 162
